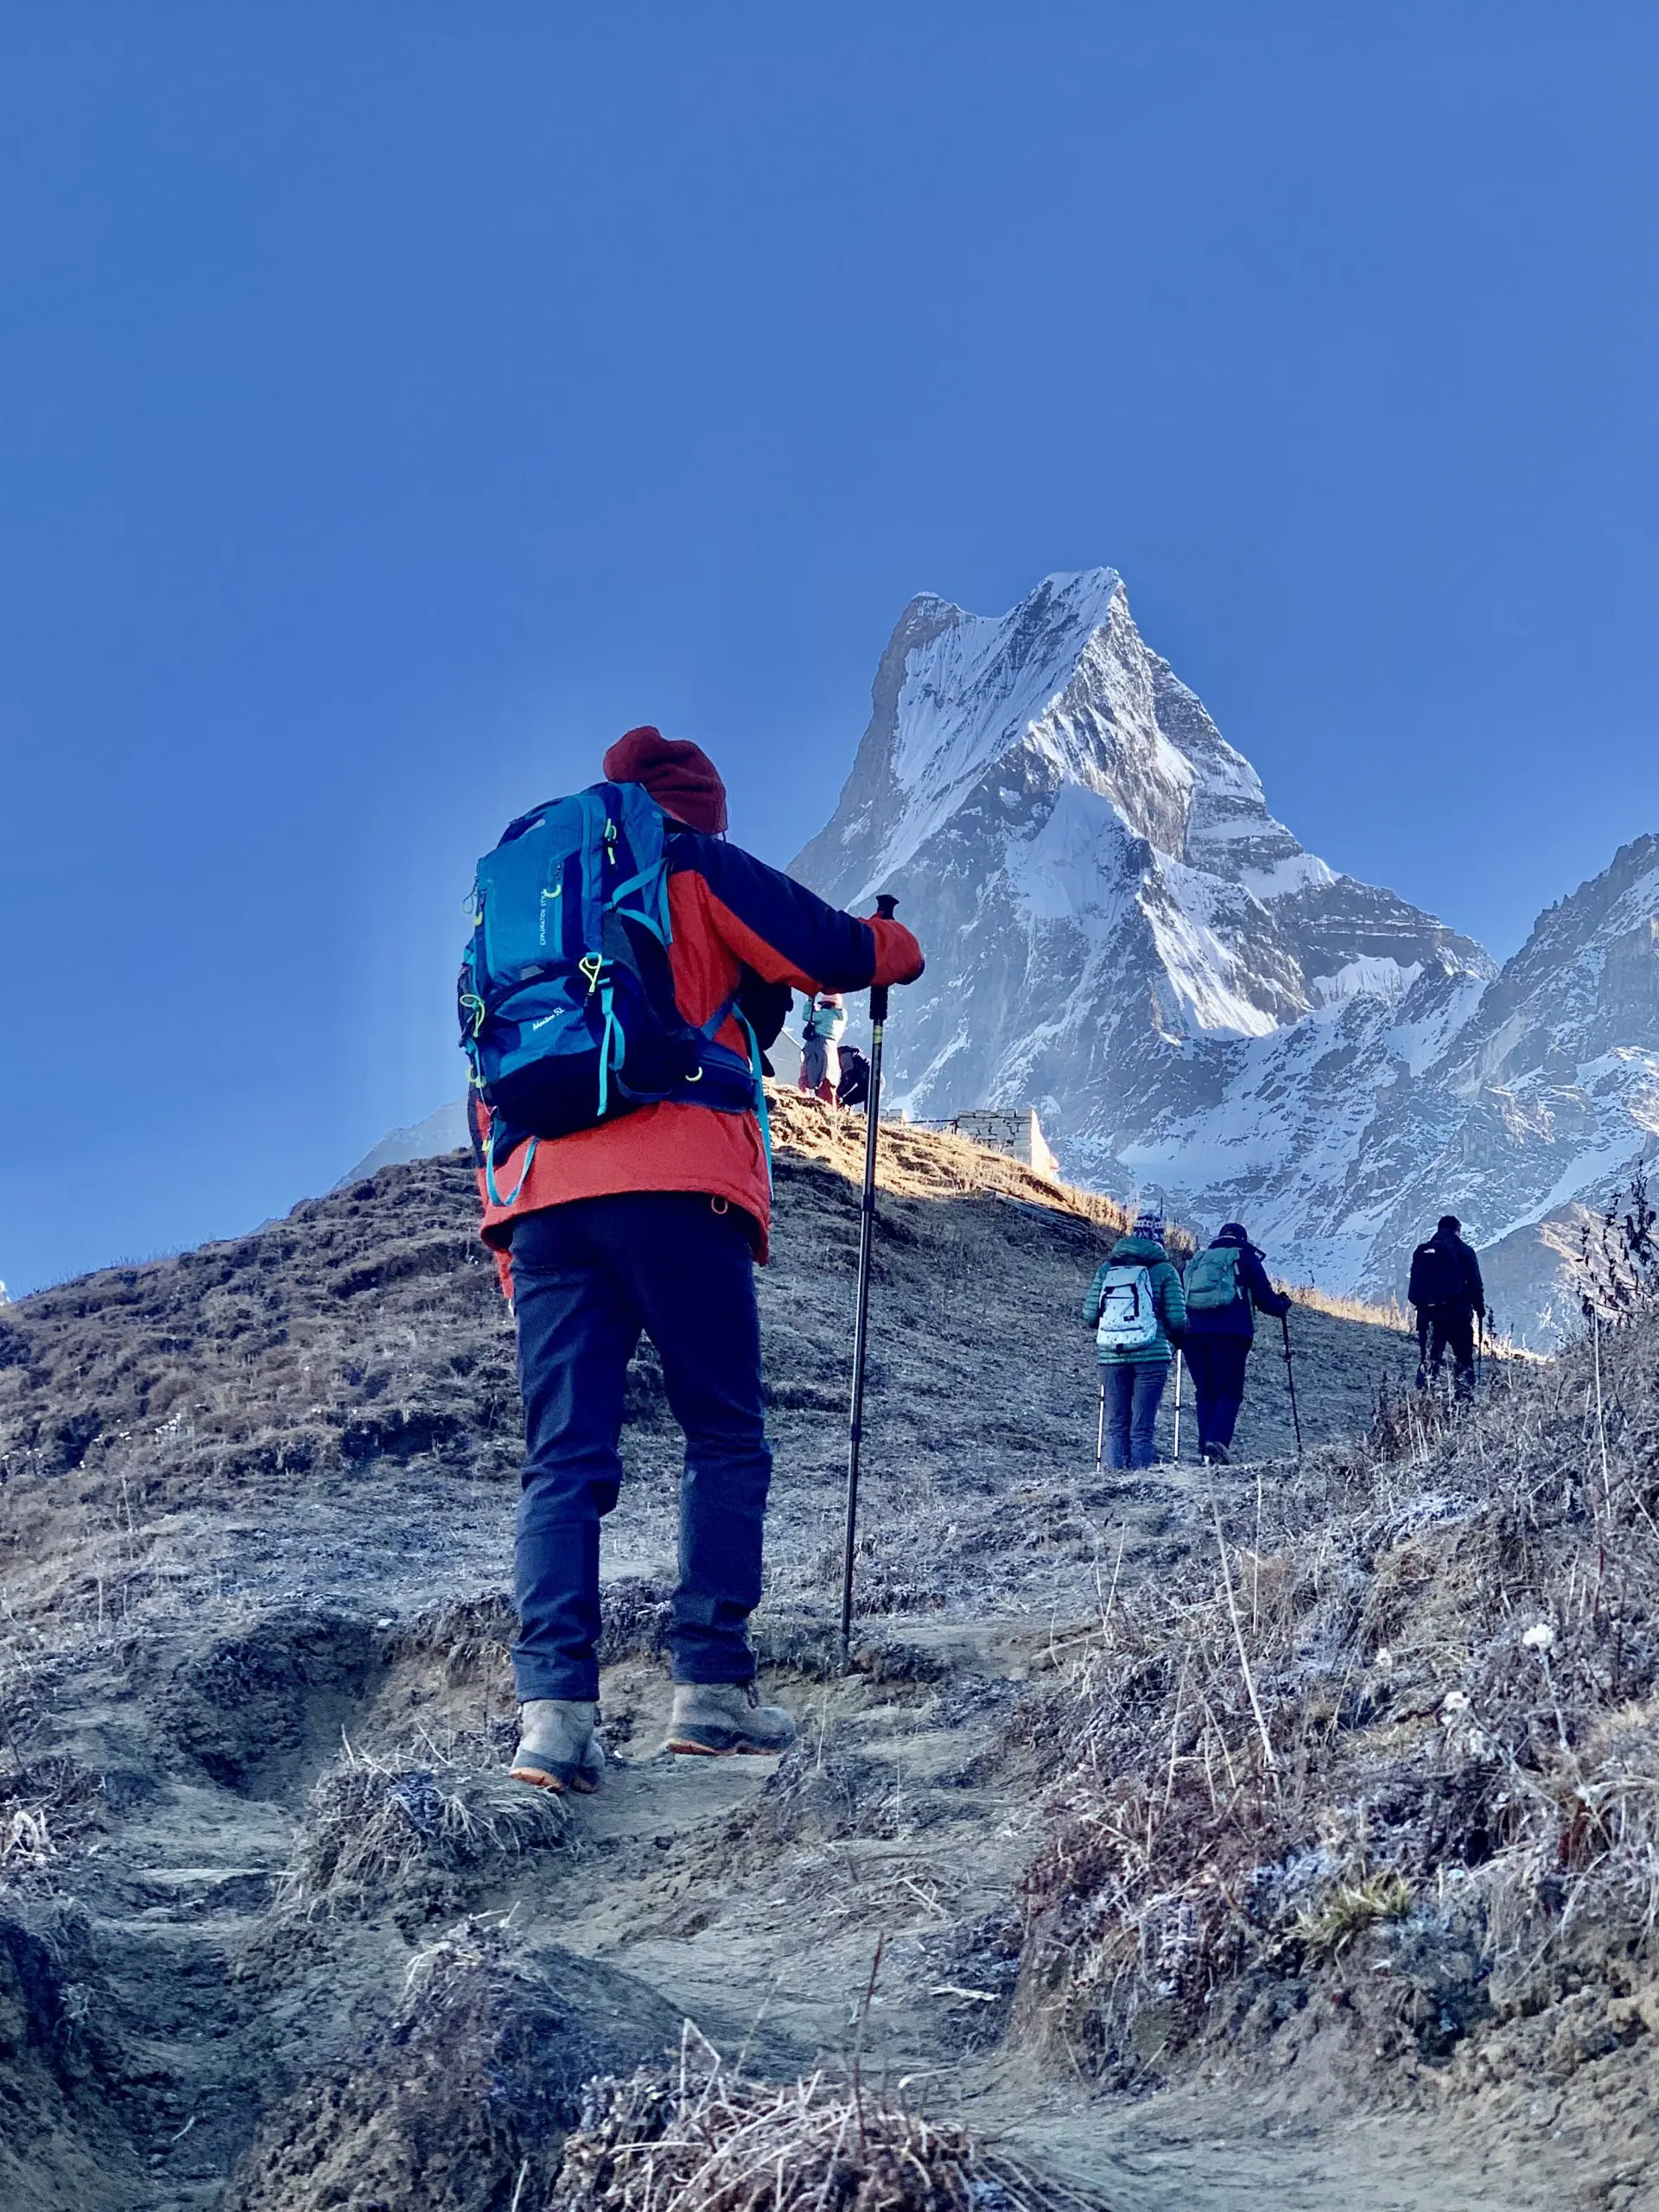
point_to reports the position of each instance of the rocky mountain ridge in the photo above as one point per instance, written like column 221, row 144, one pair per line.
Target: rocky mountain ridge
column 1122, row 934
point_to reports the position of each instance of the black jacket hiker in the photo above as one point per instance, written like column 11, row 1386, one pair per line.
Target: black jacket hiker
column 1218, row 1339
column 853, row 1089
column 1446, row 1289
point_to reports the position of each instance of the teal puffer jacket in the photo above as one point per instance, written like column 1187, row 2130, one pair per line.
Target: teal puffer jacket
column 1167, row 1297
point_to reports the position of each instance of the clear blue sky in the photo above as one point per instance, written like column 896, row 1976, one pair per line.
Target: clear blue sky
column 397, row 401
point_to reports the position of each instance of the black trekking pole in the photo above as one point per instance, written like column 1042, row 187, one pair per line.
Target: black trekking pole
column 884, row 907
column 1100, row 1430
column 1290, row 1377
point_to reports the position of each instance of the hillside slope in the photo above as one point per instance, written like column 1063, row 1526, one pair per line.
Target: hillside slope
column 255, row 1516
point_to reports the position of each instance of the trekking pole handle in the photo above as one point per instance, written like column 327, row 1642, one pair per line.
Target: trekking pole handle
column 885, row 905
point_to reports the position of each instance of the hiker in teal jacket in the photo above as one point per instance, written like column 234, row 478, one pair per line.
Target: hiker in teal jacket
column 1135, row 1306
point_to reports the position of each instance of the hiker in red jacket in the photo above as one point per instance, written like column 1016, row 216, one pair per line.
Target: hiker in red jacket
column 652, row 1223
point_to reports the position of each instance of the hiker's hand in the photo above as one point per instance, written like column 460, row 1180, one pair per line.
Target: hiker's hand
column 897, row 957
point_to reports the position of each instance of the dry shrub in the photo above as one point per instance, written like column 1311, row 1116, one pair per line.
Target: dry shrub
column 26, row 1843
column 704, row 2141
column 378, row 1830
column 1421, row 1727
column 469, row 1633
column 47, row 1810
column 459, row 2099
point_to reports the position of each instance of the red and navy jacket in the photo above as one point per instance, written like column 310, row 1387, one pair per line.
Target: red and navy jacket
column 728, row 911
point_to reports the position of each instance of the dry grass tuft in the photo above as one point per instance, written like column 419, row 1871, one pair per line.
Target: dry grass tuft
column 47, row 1810
column 708, row 2141
column 378, row 1830
column 1387, row 1313
column 1351, row 1908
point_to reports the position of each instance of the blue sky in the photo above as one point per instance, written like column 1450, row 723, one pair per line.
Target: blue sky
column 396, row 402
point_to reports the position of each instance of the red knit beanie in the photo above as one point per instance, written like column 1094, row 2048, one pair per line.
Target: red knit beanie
column 679, row 776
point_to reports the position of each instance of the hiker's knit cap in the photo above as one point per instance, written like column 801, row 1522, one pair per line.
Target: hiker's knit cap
column 1448, row 1224
column 1149, row 1225
column 679, row 776
column 1232, row 1232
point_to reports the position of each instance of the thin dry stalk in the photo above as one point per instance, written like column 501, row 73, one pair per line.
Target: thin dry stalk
column 1243, row 1654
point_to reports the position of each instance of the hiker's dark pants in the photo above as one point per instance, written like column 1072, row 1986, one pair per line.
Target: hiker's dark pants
column 1133, row 1388
column 588, row 1278
column 1442, row 1329
column 1216, row 1365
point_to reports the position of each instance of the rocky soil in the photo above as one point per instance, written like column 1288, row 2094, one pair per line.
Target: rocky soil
column 275, row 1932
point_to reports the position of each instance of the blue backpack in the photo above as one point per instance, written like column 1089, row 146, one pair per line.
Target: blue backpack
column 566, row 997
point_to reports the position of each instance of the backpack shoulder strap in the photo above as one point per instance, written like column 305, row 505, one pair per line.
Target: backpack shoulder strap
column 643, row 895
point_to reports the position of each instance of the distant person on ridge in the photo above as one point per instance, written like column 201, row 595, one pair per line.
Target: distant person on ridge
column 826, row 1017
column 1446, row 1289
column 626, row 1191
column 1135, row 1307
column 853, row 1089
column 1226, row 1286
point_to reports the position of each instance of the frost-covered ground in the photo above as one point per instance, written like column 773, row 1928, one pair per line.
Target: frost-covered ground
column 268, row 1910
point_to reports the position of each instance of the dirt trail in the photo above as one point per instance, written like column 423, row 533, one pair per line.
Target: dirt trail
column 256, row 1519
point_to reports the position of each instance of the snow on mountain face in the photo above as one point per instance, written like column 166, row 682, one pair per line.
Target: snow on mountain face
column 1511, row 1102
column 1119, row 932
column 1552, row 1087
column 1112, row 916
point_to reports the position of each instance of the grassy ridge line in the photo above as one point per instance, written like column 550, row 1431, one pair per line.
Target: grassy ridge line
column 925, row 1163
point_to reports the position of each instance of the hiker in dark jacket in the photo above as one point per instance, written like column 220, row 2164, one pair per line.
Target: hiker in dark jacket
column 853, row 1089
column 1135, row 1309
column 1446, row 1289
column 651, row 1222
column 1226, row 1286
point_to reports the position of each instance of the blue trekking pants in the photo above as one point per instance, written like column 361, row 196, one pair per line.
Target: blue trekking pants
column 1216, row 1365
column 588, row 1279
column 1133, row 1388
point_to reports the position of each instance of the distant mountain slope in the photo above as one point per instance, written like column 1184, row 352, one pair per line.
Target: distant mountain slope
column 1120, row 933
column 442, row 1130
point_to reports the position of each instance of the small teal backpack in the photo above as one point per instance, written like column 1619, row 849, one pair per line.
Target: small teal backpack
column 566, row 997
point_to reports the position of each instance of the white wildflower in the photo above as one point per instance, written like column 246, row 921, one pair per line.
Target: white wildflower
column 1453, row 1703
column 1540, row 1637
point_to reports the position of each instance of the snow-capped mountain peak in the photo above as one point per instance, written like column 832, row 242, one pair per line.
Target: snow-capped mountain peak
column 1043, row 768
column 1064, row 681
column 1121, row 933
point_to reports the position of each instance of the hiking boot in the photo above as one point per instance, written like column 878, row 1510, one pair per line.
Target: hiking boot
column 718, row 1718
column 557, row 1748
column 1215, row 1455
